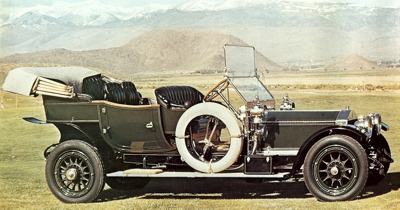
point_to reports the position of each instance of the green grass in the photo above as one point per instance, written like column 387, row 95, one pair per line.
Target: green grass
column 23, row 185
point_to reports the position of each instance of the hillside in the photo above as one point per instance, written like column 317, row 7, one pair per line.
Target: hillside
column 153, row 51
column 293, row 32
column 353, row 62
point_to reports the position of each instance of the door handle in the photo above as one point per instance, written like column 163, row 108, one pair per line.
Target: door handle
column 149, row 125
column 106, row 130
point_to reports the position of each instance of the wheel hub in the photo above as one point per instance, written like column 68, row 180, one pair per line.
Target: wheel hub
column 71, row 174
column 334, row 171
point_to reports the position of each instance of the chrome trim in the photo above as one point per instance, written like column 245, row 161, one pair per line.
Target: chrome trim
column 341, row 122
column 72, row 121
column 149, row 125
column 300, row 122
column 342, row 117
column 280, row 152
column 34, row 120
column 385, row 126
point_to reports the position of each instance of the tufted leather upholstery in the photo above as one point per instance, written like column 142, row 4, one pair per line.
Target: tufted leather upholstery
column 119, row 92
column 178, row 96
column 132, row 96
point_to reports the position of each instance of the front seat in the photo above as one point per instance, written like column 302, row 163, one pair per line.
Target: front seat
column 174, row 100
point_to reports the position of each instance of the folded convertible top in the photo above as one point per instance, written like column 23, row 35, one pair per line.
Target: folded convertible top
column 23, row 80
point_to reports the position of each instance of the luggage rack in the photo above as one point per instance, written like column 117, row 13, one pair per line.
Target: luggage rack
column 175, row 174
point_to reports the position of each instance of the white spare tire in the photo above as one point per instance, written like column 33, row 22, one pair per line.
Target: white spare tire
column 232, row 124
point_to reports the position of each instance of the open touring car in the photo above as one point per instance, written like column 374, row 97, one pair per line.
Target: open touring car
column 110, row 134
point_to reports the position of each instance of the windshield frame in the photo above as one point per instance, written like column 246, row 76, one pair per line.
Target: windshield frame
column 256, row 99
column 261, row 86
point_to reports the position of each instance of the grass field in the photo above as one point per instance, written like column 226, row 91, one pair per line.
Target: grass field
column 23, row 186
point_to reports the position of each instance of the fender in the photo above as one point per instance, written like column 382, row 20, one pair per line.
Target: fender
column 380, row 143
column 34, row 120
column 67, row 131
column 357, row 135
column 70, row 131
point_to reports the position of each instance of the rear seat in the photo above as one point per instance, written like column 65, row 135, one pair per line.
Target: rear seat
column 102, row 89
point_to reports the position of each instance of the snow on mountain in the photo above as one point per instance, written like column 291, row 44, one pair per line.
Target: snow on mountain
column 34, row 19
column 285, row 5
column 89, row 12
column 281, row 29
column 89, row 19
column 102, row 19
column 216, row 5
column 95, row 13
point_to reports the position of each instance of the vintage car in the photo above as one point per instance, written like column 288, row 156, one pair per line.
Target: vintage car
column 110, row 134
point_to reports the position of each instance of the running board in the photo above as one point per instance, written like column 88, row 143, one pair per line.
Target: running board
column 282, row 175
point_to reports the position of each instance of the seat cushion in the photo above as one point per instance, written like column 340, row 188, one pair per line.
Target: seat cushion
column 100, row 88
column 132, row 96
column 178, row 96
column 94, row 86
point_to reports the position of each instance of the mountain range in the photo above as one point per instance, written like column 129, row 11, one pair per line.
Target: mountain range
column 352, row 62
column 286, row 32
column 159, row 51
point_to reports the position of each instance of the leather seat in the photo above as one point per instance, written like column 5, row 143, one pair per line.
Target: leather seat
column 178, row 96
column 119, row 92
column 174, row 100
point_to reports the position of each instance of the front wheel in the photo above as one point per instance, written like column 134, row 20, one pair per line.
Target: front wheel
column 74, row 172
column 336, row 168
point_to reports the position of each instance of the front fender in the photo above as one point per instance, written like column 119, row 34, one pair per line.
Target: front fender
column 344, row 130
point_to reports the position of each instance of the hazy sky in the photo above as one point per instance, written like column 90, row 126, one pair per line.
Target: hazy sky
column 124, row 9
column 135, row 3
column 24, row 3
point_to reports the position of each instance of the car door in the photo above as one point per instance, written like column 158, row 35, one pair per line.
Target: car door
column 132, row 128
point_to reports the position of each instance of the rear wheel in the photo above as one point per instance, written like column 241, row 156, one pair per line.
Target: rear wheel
column 336, row 168
column 125, row 184
column 74, row 172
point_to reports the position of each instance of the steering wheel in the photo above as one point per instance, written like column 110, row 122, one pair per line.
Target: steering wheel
column 218, row 88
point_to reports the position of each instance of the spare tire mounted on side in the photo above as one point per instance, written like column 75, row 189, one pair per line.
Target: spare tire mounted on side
column 221, row 115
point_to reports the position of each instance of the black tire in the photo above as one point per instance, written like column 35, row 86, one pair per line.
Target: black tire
column 381, row 146
column 125, row 184
column 336, row 168
column 75, row 164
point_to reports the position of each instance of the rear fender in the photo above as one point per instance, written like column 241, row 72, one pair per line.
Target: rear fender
column 70, row 131
column 305, row 147
column 67, row 131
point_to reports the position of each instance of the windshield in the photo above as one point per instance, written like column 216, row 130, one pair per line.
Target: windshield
column 240, row 61
column 251, row 89
column 242, row 73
